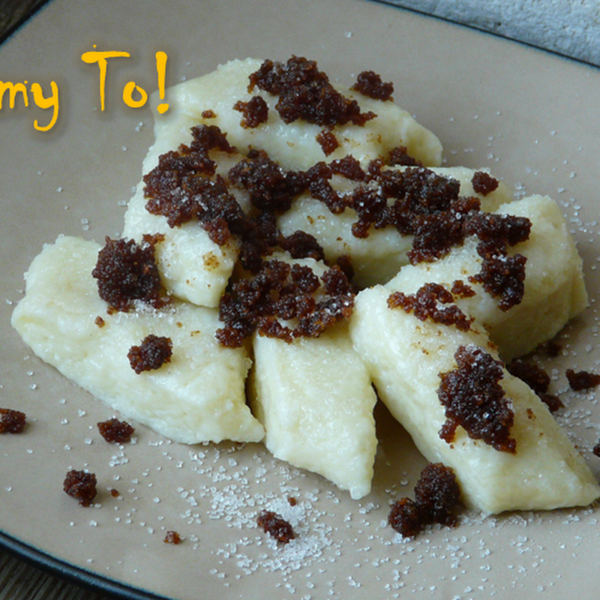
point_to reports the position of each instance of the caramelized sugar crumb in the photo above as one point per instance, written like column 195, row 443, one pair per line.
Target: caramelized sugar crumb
column 461, row 289
column 283, row 291
column 509, row 230
column 254, row 112
column 370, row 84
column 582, row 380
column 328, row 142
column 437, row 233
column 483, row 183
column 276, row 526
column 501, row 275
column 399, row 156
column 115, row 431
column 151, row 354
column 537, row 379
column 426, row 304
column 348, row 167
column 12, row 421
column 317, row 181
column 81, row 485
column 127, row 271
column 271, row 188
column 406, row 518
column 183, row 187
column 172, row 537
column 437, row 494
column 474, row 399
column 302, row 245
column 306, row 93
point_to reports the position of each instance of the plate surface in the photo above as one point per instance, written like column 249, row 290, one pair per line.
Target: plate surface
column 530, row 117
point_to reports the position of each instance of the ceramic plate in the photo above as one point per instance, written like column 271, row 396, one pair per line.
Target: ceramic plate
column 531, row 117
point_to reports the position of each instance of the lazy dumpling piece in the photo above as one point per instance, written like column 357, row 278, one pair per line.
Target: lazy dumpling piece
column 553, row 290
column 445, row 385
column 315, row 400
column 220, row 98
column 197, row 396
column 308, row 387
column 195, row 266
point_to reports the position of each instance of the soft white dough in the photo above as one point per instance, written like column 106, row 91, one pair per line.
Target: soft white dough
column 315, row 399
column 405, row 357
column 199, row 396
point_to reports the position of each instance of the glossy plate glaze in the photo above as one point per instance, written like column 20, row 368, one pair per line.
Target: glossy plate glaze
column 531, row 117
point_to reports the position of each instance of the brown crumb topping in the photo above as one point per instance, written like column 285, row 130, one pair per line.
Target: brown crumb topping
column 406, row 518
column 434, row 302
column 254, row 112
column 582, row 380
column 209, row 114
column 306, row 93
column 302, row 245
column 276, row 526
column 474, row 399
column 537, row 379
column 12, row 421
column 172, row 537
column 286, row 292
column 115, row 431
column 328, row 142
column 483, row 183
column 348, row 167
column 416, row 201
column 99, row 321
column 437, row 494
column 81, row 485
column 369, row 83
column 151, row 354
column 461, row 289
column 183, row 187
column 400, row 156
column 501, row 275
column 127, row 271
column 270, row 187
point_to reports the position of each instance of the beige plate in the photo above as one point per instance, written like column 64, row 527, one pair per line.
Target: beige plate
column 529, row 116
